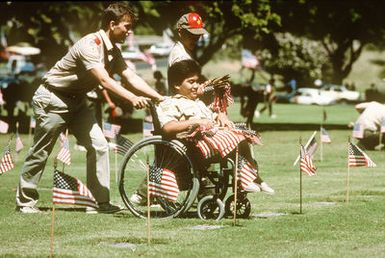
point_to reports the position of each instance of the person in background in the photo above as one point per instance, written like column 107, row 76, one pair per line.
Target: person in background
column 269, row 96
column 160, row 84
column 60, row 103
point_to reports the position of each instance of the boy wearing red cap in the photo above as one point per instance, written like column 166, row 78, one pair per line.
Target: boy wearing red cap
column 190, row 28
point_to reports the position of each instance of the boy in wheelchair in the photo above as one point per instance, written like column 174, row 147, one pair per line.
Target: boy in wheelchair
column 210, row 131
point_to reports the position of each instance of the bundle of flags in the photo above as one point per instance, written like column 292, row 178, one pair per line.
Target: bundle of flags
column 306, row 163
column 246, row 172
column 6, row 162
column 64, row 153
column 358, row 158
column 69, row 190
column 163, row 184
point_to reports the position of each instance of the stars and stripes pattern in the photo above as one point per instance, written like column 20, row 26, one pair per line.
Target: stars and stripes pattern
column 358, row 158
column 32, row 122
column 69, row 190
column 246, row 172
column 312, row 146
column 306, row 163
column 122, row 144
column 19, row 144
column 110, row 130
column 148, row 128
column 358, row 131
column 64, row 154
column 163, row 184
column 325, row 138
column 6, row 162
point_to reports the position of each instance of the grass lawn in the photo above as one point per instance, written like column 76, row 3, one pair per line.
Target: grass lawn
column 328, row 226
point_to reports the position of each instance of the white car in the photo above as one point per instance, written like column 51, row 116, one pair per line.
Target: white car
column 133, row 54
column 161, row 49
column 310, row 96
column 341, row 93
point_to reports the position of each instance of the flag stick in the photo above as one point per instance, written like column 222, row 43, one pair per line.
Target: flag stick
column 116, row 164
column 52, row 231
column 148, row 203
column 348, row 177
column 29, row 131
column 300, row 182
column 380, row 144
column 68, row 140
column 321, row 146
column 307, row 144
column 235, row 186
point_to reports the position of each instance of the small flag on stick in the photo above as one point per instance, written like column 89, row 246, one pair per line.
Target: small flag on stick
column 162, row 183
column 64, row 153
column 306, row 164
column 19, row 144
column 110, row 130
column 358, row 131
column 122, row 144
column 3, row 127
column 358, row 158
column 6, row 162
column 311, row 147
column 69, row 190
column 325, row 138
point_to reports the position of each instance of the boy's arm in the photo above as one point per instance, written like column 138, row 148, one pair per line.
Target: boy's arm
column 174, row 127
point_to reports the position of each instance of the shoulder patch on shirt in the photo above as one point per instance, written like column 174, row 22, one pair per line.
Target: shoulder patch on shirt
column 97, row 40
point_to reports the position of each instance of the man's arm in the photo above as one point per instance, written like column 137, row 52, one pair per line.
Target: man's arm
column 139, row 85
column 110, row 84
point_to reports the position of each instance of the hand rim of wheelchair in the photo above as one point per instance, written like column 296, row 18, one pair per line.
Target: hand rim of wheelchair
column 207, row 208
column 168, row 210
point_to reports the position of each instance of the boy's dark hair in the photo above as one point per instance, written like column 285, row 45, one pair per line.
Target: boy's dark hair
column 115, row 12
column 181, row 70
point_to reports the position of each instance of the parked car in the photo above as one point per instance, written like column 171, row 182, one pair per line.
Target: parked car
column 341, row 93
column 310, row 96
column 161, row 49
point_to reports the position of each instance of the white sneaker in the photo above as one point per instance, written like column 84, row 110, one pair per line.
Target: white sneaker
column 257, row 114
column 266, row 188
column 253, row 188
column 273, row 116
column 79, row 148
column 138, row 199
column 28, row 210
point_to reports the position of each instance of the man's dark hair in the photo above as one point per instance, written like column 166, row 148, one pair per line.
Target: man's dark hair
column 115, row 12
column 181, row 70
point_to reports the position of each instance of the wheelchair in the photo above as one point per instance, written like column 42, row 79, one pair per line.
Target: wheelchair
column 199, row 187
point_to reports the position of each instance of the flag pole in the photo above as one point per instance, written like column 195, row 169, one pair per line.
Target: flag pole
column 148, row 203
column 235, row 186
column 116, row 162
column 52, row 231
column 300, row 180
column 68, row 140
column 29, row 131
column 320, row 134
column 308, row 142
column 17, row 134
column 348, row 176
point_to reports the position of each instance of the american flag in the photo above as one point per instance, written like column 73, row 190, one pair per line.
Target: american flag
column 306, row 164
column 122, row 144
column 6, row 162
column 312, row 146
column 148, row 127
column 325, row 138
column 19, row 144
column 248, row 59
column 110, row 130
column 358, row 131
column 3, row 127
column 358, row 158
column 382, row 130
column 32, row 122
column 246, row 172
column 163, row 184
column 64, row 153
column 69, row 190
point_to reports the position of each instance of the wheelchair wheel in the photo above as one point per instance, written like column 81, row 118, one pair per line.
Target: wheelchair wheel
column 211, row 207
column 243, row 206
column 159, row 157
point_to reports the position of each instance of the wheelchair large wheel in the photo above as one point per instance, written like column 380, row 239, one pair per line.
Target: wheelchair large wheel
column 160, row 157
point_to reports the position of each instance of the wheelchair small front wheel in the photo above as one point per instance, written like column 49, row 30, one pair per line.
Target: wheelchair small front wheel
column 210, row 207
column 243, row 207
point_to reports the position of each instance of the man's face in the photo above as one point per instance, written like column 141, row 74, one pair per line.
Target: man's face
column 188, row 39
column 189, row 87
column 120, row 30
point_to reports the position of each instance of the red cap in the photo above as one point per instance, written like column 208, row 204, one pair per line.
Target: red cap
column 192, row 22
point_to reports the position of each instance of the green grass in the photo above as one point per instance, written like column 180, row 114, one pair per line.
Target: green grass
column 353, row 229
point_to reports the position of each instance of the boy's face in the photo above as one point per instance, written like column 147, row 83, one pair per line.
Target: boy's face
column 120, row 30
column 189, row 87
